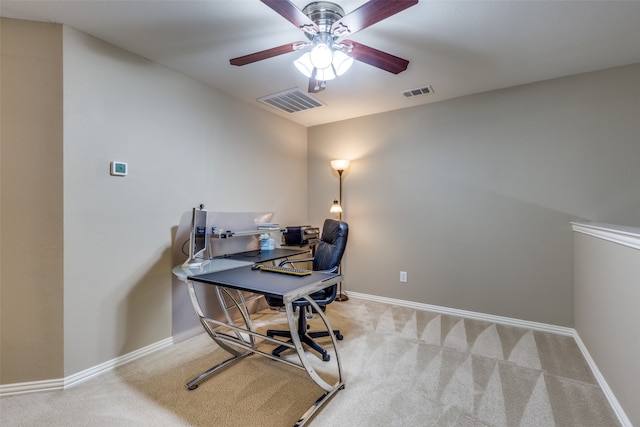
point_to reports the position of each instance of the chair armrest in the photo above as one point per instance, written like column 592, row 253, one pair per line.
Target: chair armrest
column 293, row 261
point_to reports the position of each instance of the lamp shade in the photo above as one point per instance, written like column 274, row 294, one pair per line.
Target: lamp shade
column 325, row 74
column 340, row 165
column 335, row 208
column 341, row 62
column 304, row 65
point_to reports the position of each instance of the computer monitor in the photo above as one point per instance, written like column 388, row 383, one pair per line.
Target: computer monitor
column 198, row 238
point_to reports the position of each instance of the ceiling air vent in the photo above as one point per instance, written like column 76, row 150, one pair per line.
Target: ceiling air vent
column 291, row 101
column 419, row 91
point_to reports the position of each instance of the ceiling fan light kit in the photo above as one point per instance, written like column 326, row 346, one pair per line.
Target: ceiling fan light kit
column 324, row 23
column 338, row 65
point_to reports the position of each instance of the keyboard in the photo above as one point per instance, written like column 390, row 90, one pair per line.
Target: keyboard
column 284, row 270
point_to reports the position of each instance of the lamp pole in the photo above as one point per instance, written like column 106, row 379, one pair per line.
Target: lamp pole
column 341, row 296
column 340, row 194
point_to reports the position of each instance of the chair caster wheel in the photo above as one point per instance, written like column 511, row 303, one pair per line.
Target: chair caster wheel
column 339, row 337
column 193, row 387
column 326, row 357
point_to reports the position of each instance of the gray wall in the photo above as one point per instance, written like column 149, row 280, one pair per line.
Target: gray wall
column 31, row 205
column 109, row 292
column 185, row 144
column 607, row 295
column 473, row 196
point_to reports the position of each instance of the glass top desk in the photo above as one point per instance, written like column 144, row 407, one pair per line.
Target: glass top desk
column 232, row 276
column 240, row 259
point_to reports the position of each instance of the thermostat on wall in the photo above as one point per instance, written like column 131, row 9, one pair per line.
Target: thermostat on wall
column 118, row 168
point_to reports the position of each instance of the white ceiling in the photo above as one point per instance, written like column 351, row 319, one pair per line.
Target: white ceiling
column 457, row 47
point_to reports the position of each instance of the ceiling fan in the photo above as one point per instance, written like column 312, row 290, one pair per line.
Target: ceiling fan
column 324, row 23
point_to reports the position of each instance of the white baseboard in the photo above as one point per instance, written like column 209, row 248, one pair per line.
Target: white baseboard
column 622, row 416
column 31, row 387
column 543, row 327
column 71, row 380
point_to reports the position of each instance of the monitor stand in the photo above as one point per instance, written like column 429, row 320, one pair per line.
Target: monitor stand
column 193, row 263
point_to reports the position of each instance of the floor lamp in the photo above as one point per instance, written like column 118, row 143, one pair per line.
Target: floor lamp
column 339, row 166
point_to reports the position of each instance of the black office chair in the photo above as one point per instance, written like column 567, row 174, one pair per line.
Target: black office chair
column 327, row 258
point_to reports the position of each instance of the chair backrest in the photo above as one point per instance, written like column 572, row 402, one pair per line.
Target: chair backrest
column 331, row 246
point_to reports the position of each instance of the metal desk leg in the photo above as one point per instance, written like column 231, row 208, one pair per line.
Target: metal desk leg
column 193, row 384
column 228, row 342
column 236, row 355
column 330, row 390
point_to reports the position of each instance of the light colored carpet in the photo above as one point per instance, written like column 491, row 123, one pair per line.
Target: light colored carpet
column 402, row 367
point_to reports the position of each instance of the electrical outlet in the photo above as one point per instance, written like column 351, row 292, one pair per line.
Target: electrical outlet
column 403, row 276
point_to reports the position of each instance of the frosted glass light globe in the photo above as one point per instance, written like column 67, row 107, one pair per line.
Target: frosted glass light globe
column 321, row 56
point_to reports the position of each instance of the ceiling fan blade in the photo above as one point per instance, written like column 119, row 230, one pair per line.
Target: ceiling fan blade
column 316, row 86
column 368, row 14
column 268, row 53
column 291, row 13
column 377, row 58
